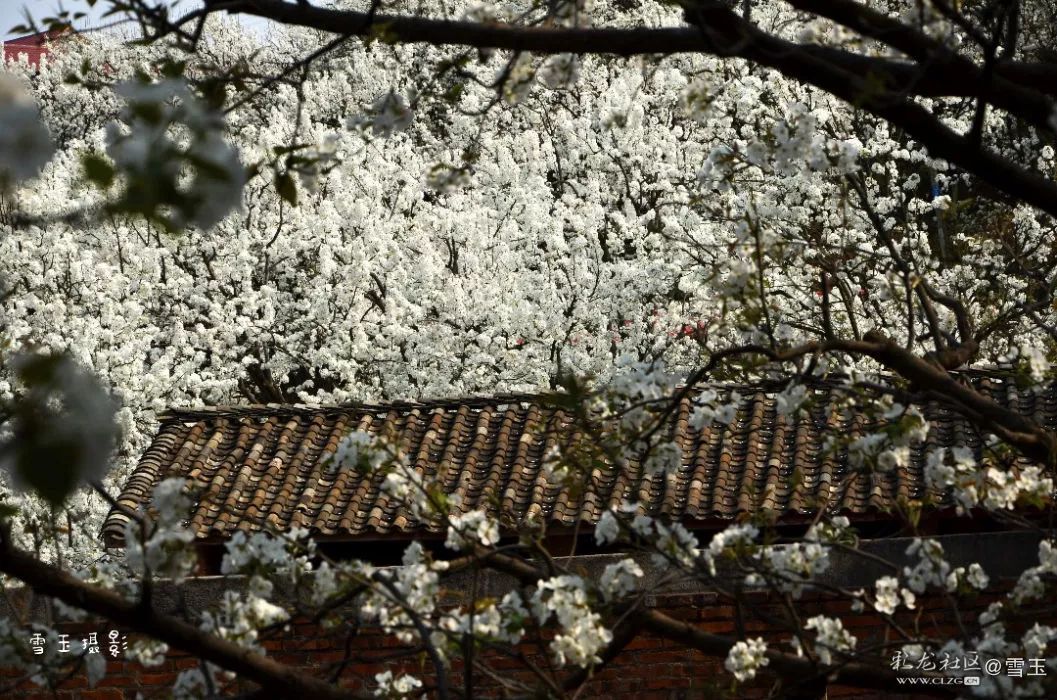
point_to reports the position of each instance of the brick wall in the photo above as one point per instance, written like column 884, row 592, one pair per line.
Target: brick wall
column 650, row 668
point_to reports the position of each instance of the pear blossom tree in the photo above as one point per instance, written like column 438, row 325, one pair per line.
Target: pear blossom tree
column 801, row 191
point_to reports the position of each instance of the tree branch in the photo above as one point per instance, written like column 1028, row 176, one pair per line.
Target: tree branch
column 786, row 666
column 50, row 581
column 923, row 48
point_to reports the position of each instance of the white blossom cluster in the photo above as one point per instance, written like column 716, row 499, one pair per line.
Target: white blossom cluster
column 889, row 449
column 409, row 592
column 790, row 567
column 238, row 618
column 831, row 639
column 163, row 549
column 890, row 595
column 634, row 385
column 746, row 657
column 1032, row 582
column 582, row 635
column 146, row 145
column 709, row 409
column 974, row 577
column 355, row 451
column 471, row 528
column 194, row 683
column 502, row 622
column 931, row 569
column 390, row 686
column 265, row 558
column 732, row 542
column 619, row 579
column 971, row 484
column 671, row 541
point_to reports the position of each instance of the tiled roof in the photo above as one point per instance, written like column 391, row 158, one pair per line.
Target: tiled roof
column 265, row 464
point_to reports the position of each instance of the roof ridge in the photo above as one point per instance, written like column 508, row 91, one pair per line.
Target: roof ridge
column 178, row 413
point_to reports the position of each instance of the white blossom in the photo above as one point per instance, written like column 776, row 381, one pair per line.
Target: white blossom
column 1036, row 639
column 607, row 529
column 395, row 687
column 560, row 71
column 205, row 169
column 746, row 657
column 619, row 579
column 147, row 652
column 795, row 565
column 355, row 451
column 390, row 114
column 889, row 595
column 582, row 634
column 790, row 399
column 519, row 79
column 191, row 684
column 165, row 551
column 931, row 569
column 472, row 528
column 830, row 637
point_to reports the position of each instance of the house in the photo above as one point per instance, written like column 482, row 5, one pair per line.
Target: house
column 256, row 468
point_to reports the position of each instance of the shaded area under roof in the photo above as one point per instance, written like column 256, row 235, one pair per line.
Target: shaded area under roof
column 264, row 467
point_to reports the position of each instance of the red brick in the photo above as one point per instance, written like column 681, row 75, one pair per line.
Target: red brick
column 116, row 680
column 78, row 681
column 102, row 694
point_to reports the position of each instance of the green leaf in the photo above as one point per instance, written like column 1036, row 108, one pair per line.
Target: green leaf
column 284, row 184
column 7, row 511
column 98, row 170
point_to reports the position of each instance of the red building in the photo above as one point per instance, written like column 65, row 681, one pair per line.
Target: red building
column 33, row 46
